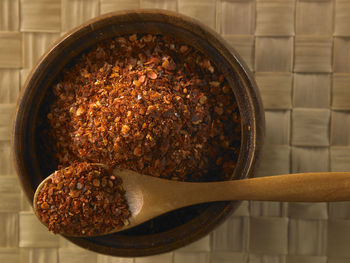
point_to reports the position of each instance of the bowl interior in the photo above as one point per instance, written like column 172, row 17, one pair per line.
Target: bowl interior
column 34, row 163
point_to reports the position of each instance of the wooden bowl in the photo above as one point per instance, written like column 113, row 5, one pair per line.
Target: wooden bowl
column 175, row 229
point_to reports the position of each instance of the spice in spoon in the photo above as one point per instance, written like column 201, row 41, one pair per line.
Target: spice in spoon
column 83, row 199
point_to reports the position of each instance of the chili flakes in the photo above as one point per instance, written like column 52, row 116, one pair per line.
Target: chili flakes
column 75, row 202
column 148, row 103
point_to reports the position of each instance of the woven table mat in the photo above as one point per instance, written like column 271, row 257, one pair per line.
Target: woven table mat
column 299, row 51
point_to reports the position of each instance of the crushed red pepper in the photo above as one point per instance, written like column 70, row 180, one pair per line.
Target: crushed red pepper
column 83, row 199
column 148, row 103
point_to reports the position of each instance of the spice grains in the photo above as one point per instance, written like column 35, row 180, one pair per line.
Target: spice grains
column 148, row 103
column 82, row 199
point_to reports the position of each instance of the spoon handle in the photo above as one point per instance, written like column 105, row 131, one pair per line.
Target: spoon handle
column 302, row 187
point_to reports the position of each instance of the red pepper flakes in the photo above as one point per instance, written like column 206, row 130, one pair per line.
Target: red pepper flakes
column 148, row 103
column 83, row 199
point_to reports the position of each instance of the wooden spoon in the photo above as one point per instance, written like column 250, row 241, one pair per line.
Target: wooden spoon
column 149, row 197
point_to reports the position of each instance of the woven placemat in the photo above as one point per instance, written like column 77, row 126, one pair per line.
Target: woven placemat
column 300, row 53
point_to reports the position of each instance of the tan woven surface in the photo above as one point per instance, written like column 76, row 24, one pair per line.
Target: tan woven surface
column 300, row 53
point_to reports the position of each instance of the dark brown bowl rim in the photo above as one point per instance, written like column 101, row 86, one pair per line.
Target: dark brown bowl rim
column 255, row 125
